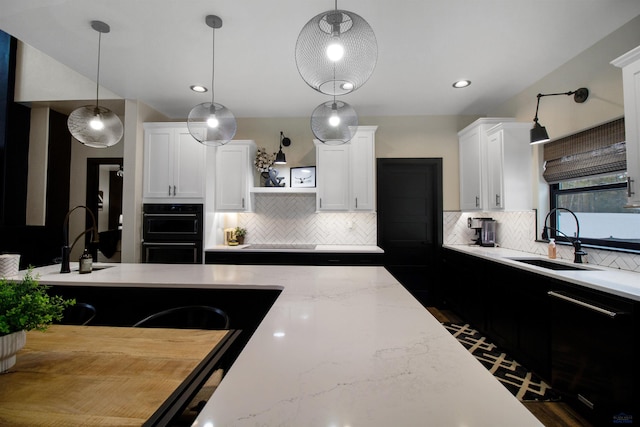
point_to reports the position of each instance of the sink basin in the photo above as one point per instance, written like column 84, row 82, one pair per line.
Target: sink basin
column 96, row 267
column 551, row 265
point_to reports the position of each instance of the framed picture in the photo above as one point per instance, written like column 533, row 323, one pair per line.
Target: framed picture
column 303, row 177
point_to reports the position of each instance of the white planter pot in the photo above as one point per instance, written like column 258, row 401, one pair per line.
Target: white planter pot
column 9, row 346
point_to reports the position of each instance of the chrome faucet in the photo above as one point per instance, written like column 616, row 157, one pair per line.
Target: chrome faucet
column 578, row 253
column 66, row 249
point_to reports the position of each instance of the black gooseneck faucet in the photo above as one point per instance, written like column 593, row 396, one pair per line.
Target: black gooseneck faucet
column 577, row 245
column 66, row 249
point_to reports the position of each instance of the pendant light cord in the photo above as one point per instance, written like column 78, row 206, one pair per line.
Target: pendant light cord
column 98, row 71
column 213, row 61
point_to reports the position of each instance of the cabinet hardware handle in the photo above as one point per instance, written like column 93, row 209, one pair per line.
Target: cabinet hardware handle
column 174, row 190
column 356, row 203
column 629, row 192
column 320, row 202
column 169, row 190
column 497, row 200
column 243, row 203
column 611, row 314
column 585, row 401
column 477, row 201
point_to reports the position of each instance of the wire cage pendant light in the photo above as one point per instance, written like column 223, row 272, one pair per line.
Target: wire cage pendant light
column 211, row 123
column 336, row 52
column 93, row 125
column 334, row 122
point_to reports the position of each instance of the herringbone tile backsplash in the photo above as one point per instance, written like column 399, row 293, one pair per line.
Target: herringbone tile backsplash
column 292, row 218
column 287, row 218
column 516, row 230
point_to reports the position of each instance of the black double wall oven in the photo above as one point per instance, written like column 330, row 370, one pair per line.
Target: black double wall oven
column 172, row 233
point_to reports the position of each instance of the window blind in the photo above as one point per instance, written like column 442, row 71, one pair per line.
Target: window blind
column 594, row 151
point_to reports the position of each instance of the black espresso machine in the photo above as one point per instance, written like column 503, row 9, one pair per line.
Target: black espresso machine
column 485, row 231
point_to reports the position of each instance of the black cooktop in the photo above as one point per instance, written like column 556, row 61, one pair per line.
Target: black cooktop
column 280, row 246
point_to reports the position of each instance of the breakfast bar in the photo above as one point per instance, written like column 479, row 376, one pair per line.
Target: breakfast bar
column 341, row 346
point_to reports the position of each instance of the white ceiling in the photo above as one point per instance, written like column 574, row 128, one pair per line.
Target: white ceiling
column 158, row 48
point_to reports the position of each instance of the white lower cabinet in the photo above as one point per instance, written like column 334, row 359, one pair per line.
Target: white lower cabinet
column 234, row 176
column 174, row 163
column 346, row 173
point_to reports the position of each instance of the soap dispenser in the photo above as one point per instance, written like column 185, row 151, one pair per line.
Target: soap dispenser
column 552, row 248
column 86, row 262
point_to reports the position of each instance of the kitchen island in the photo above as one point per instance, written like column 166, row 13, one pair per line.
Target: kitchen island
column 341, row 346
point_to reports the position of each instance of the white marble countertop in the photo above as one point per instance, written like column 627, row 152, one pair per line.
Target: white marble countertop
column 623, row 283
column 318, row 248
column 341, row 346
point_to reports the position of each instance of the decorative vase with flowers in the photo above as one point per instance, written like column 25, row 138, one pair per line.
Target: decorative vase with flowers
column 240, row 233
column 24, row 306
column 263, row 163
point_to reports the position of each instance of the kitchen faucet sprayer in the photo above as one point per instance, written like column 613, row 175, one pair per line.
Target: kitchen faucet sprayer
column 577, row 245
column 66, row 249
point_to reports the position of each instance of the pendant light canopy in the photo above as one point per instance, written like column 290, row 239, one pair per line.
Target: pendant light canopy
column 211, row 123
column 334, row 122
column 336, row 52
column 93, row 125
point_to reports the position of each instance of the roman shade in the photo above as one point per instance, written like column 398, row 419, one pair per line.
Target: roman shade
column 595, row 151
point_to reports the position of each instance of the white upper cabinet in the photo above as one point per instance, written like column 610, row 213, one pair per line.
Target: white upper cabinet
column 346, row 173
column 363, row 169
column 234, row 176
column 630, row 64
column 174, row 163
column 472, row 143
column 332, row 181
column 495, row 165
column 509, row 159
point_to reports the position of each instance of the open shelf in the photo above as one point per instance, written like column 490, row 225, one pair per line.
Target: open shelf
column 283, row 190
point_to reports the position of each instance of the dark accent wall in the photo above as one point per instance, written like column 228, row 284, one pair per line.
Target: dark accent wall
column 58, row 170
column 37, row 245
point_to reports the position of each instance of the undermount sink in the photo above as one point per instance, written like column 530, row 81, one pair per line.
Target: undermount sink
column 95, row 267
column 551, row 265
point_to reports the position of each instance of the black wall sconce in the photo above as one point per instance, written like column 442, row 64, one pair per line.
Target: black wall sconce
column 539, row 133
column 280, row 157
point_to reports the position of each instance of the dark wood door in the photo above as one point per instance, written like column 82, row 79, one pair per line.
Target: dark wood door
column 409, row 202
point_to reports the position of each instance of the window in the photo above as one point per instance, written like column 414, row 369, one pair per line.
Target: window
column 598, row 202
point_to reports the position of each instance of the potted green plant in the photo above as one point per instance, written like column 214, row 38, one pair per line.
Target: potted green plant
column 24, row 306
column 240, row 233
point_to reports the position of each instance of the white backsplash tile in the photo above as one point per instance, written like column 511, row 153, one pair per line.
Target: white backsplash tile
column 516, row 230
column 292, row 218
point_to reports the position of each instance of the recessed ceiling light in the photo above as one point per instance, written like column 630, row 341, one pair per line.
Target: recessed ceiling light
column 461, row 83
column 198, row 88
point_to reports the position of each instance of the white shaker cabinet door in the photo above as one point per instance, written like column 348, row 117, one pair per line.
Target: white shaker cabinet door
column 630, row 64
column 333, row 177
column 158, row 163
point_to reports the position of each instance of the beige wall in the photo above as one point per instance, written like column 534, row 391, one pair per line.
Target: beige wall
column 560, row 114
column 404, row 136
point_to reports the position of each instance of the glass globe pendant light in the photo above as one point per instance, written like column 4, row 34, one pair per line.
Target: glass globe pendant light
column 336, row 52
column 93, row 125
column 211, row 123
column 334, row 122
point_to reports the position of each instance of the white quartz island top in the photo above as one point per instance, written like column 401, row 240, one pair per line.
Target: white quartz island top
column 341, row 346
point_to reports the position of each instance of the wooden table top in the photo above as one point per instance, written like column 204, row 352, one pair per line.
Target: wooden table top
column 97, row 375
